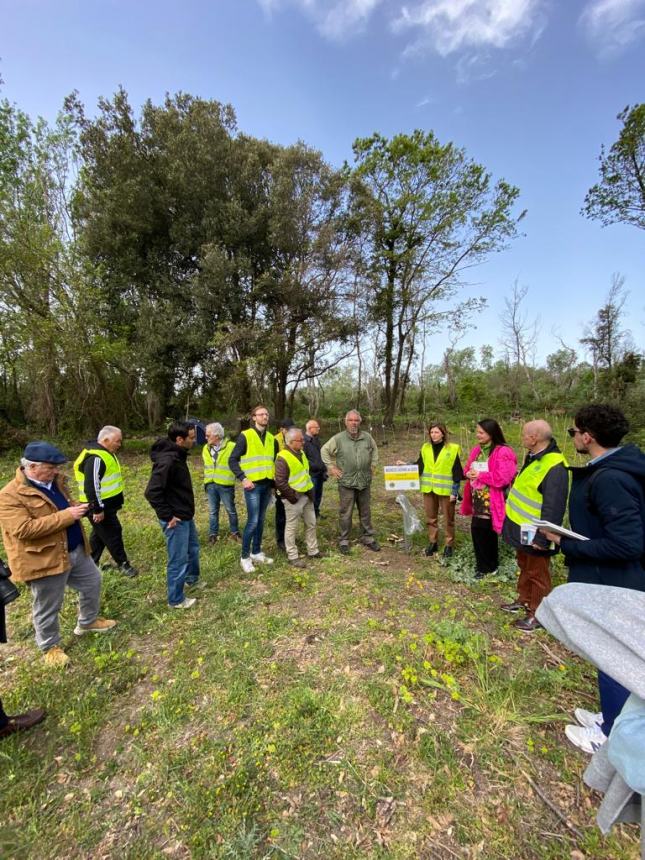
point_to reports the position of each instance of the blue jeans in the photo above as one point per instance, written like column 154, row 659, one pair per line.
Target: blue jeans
column 257, row 501
column 182, row 569
column 226, row 495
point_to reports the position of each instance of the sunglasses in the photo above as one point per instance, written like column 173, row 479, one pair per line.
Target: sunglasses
column 573, row 431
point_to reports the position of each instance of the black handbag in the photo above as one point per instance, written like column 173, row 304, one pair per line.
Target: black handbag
column 8, row 591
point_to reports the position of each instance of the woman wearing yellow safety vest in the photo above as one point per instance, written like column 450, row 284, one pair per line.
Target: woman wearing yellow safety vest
column 441, row 474
column 219, row 481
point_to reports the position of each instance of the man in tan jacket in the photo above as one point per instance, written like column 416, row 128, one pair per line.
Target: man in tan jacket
column 47, row 548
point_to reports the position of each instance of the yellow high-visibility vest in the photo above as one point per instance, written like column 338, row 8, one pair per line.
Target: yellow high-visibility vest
column 524, row 502
column 218, row 472
column 437, row 474
column 258, row 462
column 299, row 477
column 112, row 480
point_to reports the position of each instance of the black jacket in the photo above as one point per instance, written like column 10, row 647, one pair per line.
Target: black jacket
column 554, row 489
column 170, row 488
column 607, row 505
column 312, row 448
column 93, row 468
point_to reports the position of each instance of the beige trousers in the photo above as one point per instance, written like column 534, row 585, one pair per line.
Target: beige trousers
column 302, row 510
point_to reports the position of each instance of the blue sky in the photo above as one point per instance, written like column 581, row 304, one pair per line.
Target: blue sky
column 530, row 88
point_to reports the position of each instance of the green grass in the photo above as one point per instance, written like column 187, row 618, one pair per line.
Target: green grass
column 377, row 706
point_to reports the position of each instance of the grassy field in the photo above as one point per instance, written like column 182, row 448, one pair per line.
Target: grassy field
column 372, row 706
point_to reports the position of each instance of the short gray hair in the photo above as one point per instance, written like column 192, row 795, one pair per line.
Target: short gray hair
column 353, row 412
column 27, row 464
column 291, row 433
column 216, row 429
column 106, row 431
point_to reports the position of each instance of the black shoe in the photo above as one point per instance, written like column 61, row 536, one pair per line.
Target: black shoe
column 316, row 555
column 480, row 575
column 281, row 546
column 297, row 562
column 448, row 552
column 344, row 549
column 431, row 549
column 516, row 606
column 127, row 570
column 374, row 546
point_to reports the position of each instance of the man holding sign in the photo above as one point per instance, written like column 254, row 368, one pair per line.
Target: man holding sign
column 350, row 457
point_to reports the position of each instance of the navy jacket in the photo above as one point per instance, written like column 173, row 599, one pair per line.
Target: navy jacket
column 607, row 505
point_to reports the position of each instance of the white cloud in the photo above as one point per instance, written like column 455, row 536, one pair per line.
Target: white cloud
column 336, row 19
column 612, row 25
column 453, row 25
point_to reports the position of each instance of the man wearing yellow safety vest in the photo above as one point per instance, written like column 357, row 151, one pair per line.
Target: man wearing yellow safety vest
column 252, row 461
column 539, row 492
column 100, row 483
column 280, row 515
column 219, row 481
column 293, row 481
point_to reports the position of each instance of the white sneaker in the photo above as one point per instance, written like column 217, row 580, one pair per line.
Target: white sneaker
column 186, row 603
column 261, row 558
column 587, row 739
column 247, row 565
column 587, row 718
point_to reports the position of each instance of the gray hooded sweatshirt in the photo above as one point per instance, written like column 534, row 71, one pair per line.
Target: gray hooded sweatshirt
column 606, row 626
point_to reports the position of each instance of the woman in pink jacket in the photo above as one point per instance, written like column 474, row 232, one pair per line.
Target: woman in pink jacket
column 490, row 468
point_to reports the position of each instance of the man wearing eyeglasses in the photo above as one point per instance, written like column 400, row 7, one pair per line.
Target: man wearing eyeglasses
column 252, row 461
column 606, row 505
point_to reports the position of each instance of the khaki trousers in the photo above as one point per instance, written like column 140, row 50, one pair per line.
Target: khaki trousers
column 432, row 502
column 302, row 510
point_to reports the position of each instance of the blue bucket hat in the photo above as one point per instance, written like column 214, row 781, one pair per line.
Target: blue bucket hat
column 44, row 452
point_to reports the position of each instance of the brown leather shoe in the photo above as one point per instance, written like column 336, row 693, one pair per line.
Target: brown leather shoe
column 527, row 625
column 22, row 722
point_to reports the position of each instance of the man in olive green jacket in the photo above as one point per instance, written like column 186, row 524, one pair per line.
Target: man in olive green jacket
column 350, row 456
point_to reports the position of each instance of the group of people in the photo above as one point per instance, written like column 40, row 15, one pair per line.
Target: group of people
column 47, row 547
column 606, row 505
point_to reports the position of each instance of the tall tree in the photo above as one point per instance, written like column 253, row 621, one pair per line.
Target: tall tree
column 429, row 214
column 620, row 194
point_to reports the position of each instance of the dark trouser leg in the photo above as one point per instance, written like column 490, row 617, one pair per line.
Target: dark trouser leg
column 280, row 521
column 346, row 498
column 363, row 502
column 4, row 719
column 110, row 534
column 612, row 698
column 318, row 482
column 534, row 582
column 97, row 544
column 213, row 497
column 484, row 544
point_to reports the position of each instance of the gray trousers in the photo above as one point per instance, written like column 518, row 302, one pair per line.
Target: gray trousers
column 48, row 594
column 347, row 497
column 303, row 509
